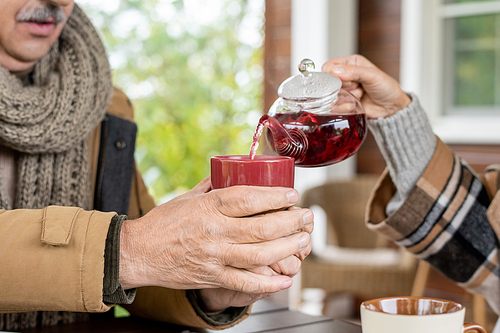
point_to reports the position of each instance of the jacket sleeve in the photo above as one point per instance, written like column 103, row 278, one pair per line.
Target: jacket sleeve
column 444, row 220
column 173, row 306
column 52, row 259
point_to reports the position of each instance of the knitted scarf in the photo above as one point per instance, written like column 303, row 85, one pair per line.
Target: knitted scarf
column 48, row 123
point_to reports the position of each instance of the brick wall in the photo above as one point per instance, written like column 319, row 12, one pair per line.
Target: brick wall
column 379, row 41
column 277, row 48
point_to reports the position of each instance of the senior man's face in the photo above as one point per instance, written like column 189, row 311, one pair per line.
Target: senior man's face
column 28, row 28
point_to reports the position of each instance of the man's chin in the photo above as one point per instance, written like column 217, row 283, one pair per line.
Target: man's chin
column 35, row 49
column 27, row 56
column 19, row 64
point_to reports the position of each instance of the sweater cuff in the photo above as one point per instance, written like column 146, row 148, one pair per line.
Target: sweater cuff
column 227, row 317
column 407, row 143
column 112, row 289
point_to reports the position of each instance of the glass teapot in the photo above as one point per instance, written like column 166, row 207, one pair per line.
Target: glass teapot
column 313, row 120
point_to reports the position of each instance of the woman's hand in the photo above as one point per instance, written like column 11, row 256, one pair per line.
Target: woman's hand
column 380, row 94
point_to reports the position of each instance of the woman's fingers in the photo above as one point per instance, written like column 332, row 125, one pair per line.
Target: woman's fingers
column 354, row 59
column 358, row 92
column 380, row 94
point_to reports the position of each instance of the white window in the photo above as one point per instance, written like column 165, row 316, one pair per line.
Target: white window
column 450, row 57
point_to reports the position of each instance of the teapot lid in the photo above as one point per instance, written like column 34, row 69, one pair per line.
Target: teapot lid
column 309, row 84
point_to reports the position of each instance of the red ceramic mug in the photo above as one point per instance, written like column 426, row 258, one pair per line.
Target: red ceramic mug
column 262, row 170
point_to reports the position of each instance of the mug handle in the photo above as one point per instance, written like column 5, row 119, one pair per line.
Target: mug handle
column 472, row 326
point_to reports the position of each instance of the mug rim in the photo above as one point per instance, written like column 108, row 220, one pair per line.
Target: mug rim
column 458, row 307
column 246, row 158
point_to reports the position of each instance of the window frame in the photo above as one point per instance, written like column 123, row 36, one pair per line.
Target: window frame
column 422, row 63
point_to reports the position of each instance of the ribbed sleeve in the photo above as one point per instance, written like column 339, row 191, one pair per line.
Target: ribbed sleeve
column 407, row 143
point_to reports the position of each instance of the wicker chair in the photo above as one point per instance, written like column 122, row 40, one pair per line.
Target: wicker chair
column 355, row 260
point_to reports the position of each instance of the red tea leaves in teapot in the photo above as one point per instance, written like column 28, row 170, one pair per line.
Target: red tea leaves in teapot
column 314, row 140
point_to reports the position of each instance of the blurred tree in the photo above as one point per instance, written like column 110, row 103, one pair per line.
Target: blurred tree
column 476, row 60
column 193, row 70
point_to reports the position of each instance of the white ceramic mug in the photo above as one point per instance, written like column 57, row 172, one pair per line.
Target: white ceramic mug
column 414, row 315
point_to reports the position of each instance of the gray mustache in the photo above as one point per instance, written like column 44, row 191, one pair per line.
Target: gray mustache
column 42, row 13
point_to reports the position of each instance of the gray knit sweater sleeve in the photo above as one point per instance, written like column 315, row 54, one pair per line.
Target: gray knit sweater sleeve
column 407, row 143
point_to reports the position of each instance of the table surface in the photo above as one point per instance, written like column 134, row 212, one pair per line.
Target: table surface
column 266, row 317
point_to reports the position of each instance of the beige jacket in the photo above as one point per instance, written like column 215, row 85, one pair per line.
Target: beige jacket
column 52, row 259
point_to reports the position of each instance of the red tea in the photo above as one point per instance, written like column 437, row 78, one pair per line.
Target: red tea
column 319, row 139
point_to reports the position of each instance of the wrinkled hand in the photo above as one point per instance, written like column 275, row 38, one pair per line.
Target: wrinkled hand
column 380, row 94
column 213, row 239
column 216, row 300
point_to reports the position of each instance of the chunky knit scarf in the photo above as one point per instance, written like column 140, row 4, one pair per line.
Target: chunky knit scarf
column 48, row 123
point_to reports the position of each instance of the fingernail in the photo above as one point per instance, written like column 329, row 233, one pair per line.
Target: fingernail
column 286, row 285
column 338, row 69
column 308, row 217
column 292, row 197
column 303, row 241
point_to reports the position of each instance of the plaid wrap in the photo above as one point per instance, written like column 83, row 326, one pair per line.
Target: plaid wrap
column 449, row 220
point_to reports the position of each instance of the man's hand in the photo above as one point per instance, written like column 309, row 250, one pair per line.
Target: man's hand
column 217, row 300
column 380, row 94
column 214, row 239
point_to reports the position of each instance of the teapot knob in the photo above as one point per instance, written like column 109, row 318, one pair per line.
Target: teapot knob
column 306, row 67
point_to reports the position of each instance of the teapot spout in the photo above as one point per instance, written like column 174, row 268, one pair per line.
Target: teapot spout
column 291, row 143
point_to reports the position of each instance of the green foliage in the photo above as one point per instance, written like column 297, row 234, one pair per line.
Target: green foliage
column 475, row 65
column 195, row 84
column 120, row 312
